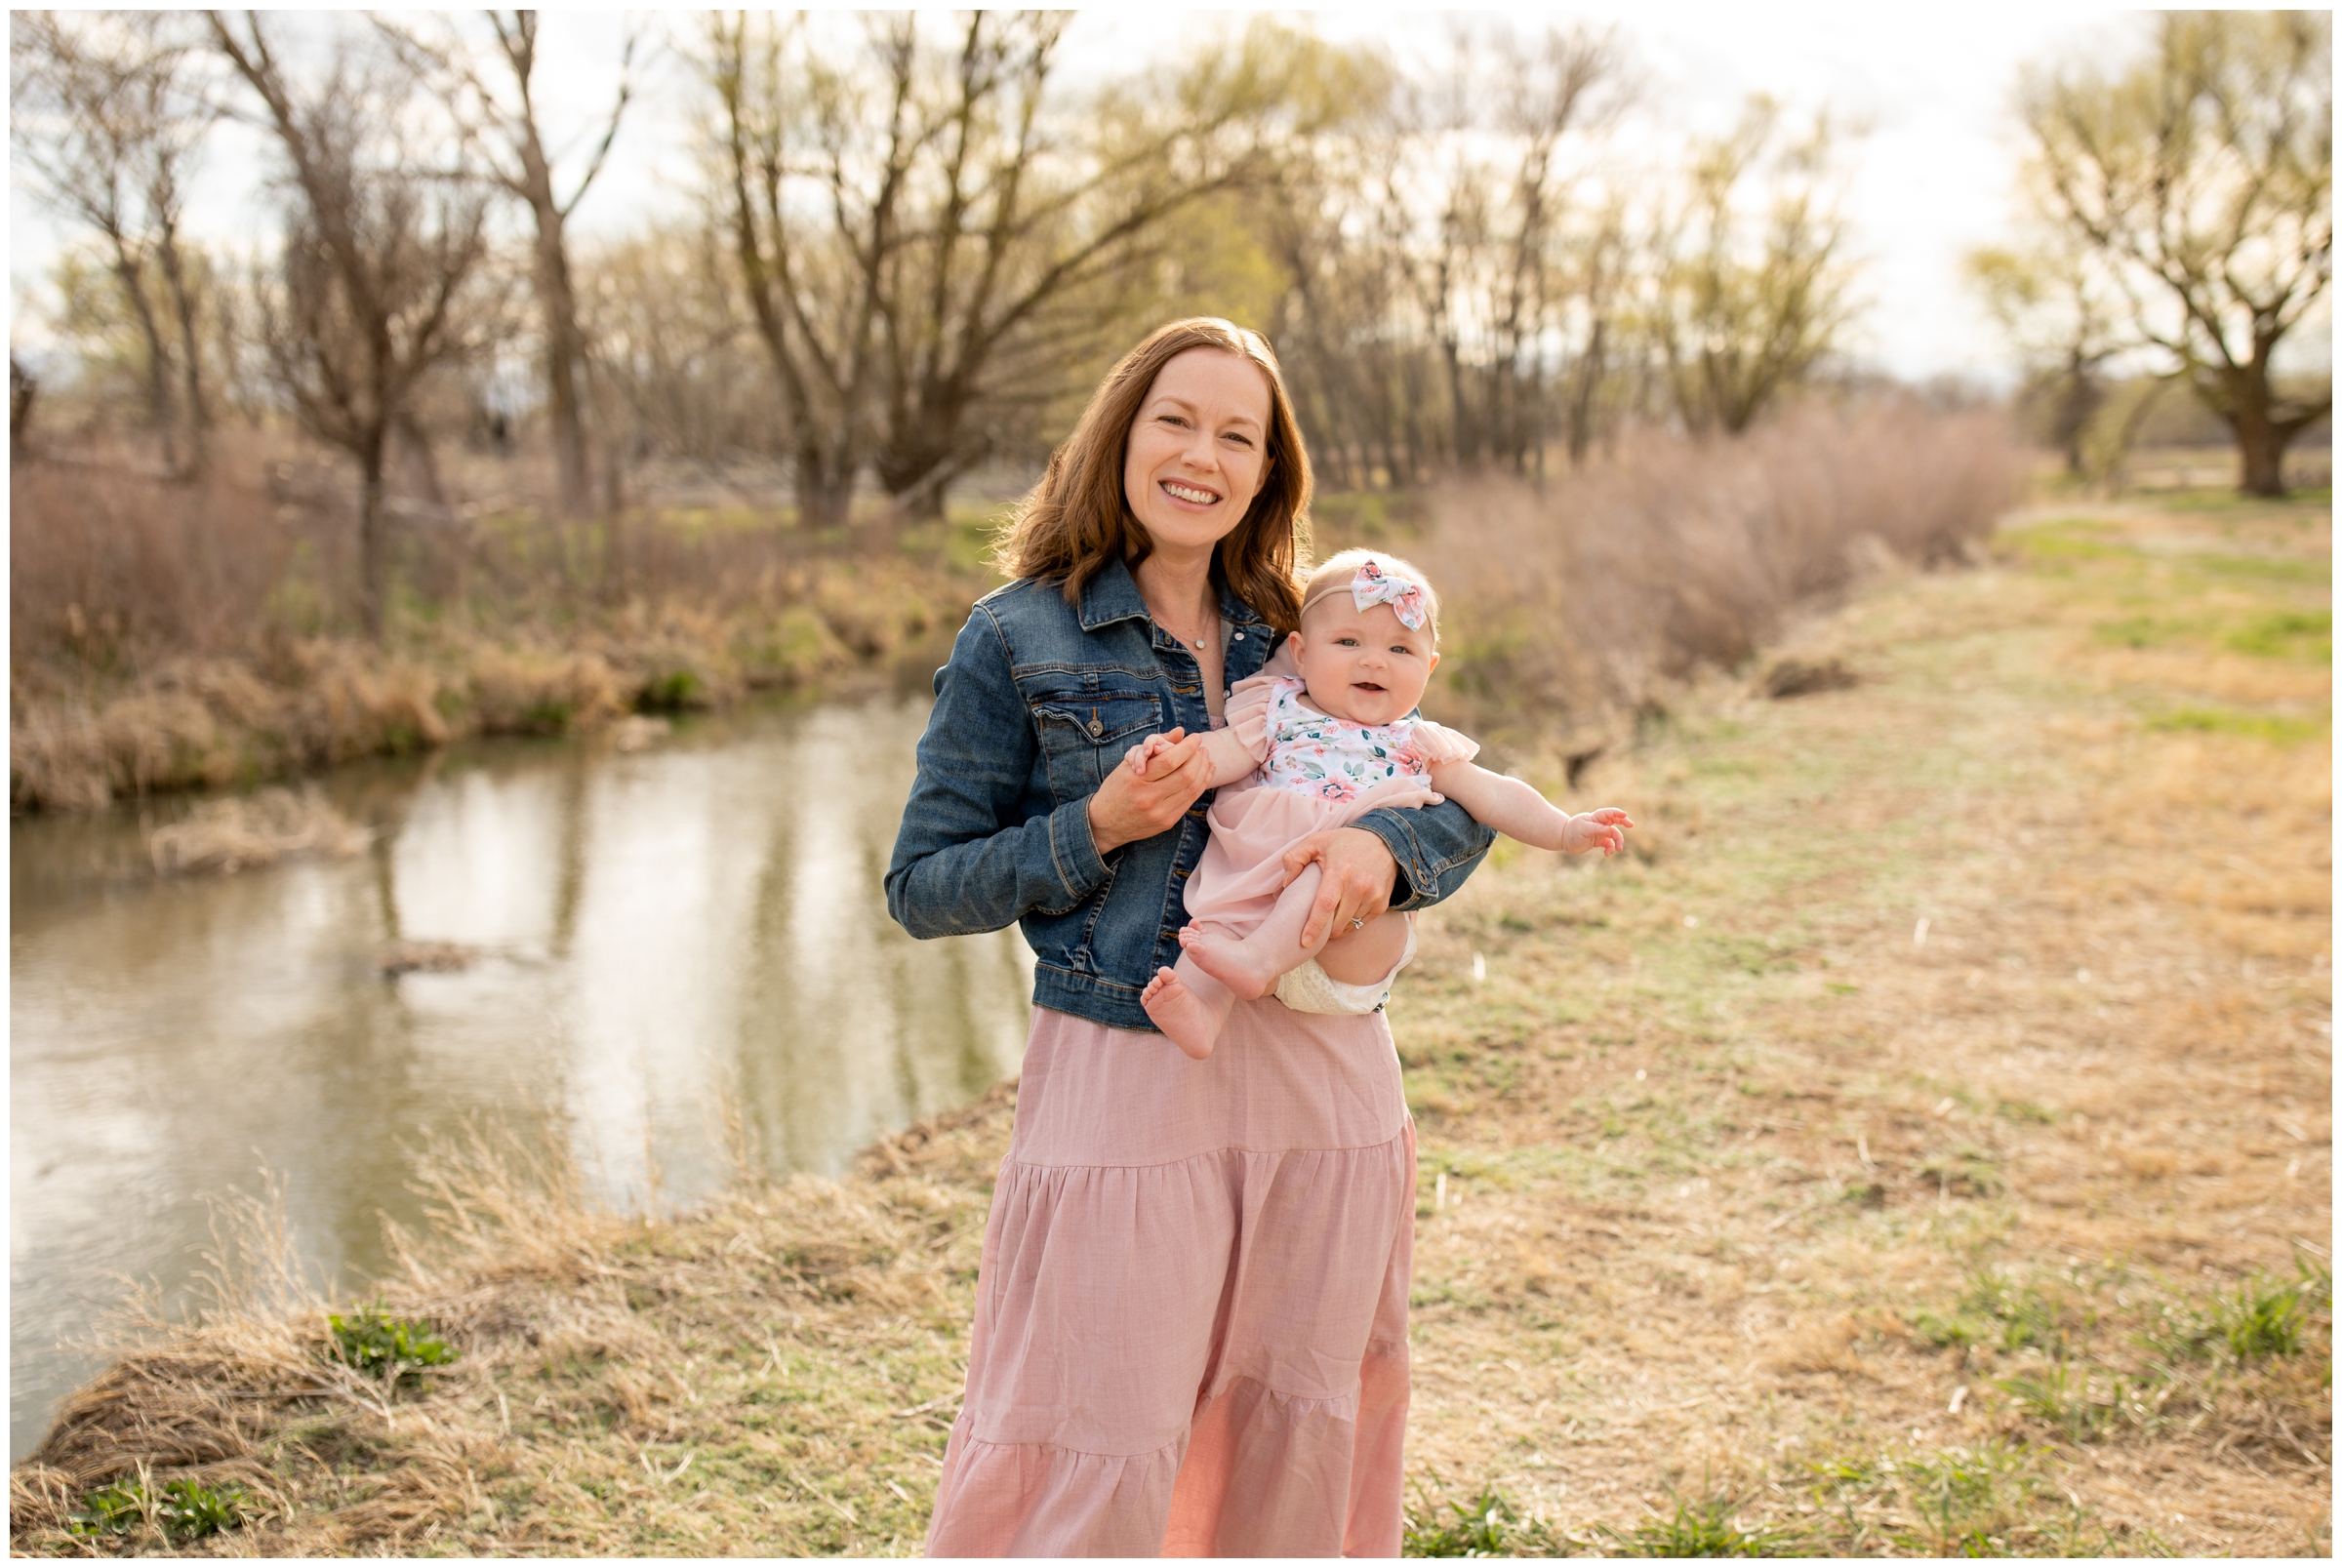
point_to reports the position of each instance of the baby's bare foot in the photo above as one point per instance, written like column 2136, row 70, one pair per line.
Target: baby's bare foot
column 1232, row 963
column 1180, row 1014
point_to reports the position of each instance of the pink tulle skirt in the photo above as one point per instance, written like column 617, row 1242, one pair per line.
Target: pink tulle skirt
column 1243, row 867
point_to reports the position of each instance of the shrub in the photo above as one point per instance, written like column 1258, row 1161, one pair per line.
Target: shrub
column 1579, row 599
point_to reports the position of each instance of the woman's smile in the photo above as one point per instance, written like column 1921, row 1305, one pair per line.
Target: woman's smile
column 1191, row 494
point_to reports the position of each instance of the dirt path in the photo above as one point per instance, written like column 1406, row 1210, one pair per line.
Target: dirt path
column 1921, row 1147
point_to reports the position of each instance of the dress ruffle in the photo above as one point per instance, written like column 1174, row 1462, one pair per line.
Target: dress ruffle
column 1191, row 1327
column 1247, row 710
column 1438, row 743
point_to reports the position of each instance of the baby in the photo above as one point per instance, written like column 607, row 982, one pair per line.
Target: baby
column 1328, row 747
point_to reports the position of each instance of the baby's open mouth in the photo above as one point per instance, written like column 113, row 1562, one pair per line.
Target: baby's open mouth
column 1366, row 686
column 1193, row 495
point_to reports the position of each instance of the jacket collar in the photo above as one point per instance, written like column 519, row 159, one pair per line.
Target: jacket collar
column 1113, row 594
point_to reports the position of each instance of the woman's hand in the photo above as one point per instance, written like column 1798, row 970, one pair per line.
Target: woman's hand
column 1360, row 872
column 1128, row 807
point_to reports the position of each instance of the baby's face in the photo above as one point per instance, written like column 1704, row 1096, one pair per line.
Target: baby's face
column 1364, row 665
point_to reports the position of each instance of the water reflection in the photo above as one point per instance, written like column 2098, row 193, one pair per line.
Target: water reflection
column 660, row 934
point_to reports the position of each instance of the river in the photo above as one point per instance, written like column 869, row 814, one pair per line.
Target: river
column 662, row 942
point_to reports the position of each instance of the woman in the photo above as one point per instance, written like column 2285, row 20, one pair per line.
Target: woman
column 1191, row 1319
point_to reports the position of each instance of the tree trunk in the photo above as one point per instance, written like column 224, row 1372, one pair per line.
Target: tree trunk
column 614, row 525
column 825, row 497
column 158, row 358
column 22, row 392
column 2240, row 394
column 191, row 362
column 2078, row 399
column 2261, row 454
column 372, row 555
column 563, row 348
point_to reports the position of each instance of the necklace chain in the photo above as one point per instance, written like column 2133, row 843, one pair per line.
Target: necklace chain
column 1211, row 619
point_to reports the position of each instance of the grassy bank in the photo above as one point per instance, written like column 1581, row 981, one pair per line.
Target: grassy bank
column 169, row 635
column 1921, row 1145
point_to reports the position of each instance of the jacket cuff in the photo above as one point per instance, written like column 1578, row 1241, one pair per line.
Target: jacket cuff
column 1418, row 882
column 1074, row 851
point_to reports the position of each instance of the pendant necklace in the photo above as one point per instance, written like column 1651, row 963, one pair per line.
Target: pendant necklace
column 1196, row 643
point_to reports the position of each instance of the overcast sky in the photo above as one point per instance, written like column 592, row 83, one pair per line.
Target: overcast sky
column 1933, row 178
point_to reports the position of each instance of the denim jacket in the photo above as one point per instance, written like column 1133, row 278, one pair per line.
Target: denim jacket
column 1038, row 704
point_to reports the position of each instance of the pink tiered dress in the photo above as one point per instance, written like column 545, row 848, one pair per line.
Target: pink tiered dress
column 1190, row 1333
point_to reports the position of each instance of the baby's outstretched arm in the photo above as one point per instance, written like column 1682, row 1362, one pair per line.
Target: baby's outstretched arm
column 1515, row 808
column 1230, row 758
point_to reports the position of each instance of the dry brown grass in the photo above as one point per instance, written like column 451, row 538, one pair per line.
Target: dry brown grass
column 796, row 1349
column 106, row 559
column 242, row 832
column 1896, row 1241
column 1615, row 580
column 172, row 635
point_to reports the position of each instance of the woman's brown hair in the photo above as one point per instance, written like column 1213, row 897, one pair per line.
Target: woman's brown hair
column 1077, row 519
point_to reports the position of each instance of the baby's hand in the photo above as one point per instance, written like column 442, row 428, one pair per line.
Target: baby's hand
column 1146, row 751
column 1601, row 830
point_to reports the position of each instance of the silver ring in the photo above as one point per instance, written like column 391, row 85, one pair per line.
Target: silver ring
column 1357, row 922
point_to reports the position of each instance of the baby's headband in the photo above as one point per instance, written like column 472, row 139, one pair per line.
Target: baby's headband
column 1375, row 584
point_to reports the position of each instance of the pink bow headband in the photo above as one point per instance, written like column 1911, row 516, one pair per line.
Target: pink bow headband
column 1373, row 585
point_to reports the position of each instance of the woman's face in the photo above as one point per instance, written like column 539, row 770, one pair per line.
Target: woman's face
column 1197, row 450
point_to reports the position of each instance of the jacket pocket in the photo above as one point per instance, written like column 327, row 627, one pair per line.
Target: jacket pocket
column 1084, row 733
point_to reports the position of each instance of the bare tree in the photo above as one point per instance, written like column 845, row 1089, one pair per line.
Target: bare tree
column 1332, row 221
column 1453, row 259
column 1495, row 284
column 1748, row 301
column 1045, row 228
column 2057, row 311
column 2206, row 175
column 926, row 236
column 814, row 278
column 684, row 375
column 378, row 254
column 506, row 124
column 104, row 116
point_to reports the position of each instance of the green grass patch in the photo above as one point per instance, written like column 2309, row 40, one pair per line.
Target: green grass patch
column 2065, row 544
column 1488, row 1526
column 1706, row 1528
column 1995, row 1313
column 2277, row 729
column 671, row 693
column 2266, row 568
column 371, row 1341
column 2304, row 635
column 2143, row 632
column 2223, row 499
column 2263, row 1317
column 2067, row 1398
column 182, row 1510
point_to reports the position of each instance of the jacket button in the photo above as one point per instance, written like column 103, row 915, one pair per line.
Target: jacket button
column 1097, row 728
column 1239, row 637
